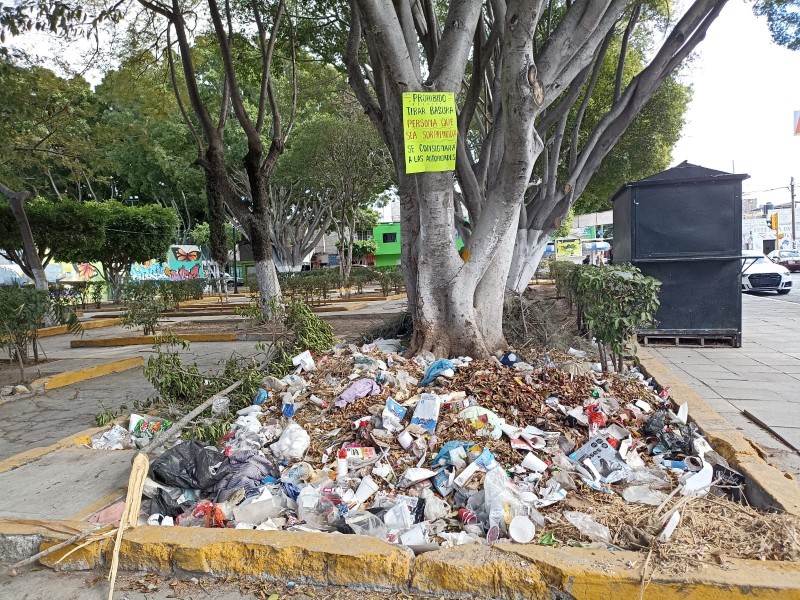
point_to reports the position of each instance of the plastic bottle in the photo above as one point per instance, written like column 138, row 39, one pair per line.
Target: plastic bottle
column 341, row 465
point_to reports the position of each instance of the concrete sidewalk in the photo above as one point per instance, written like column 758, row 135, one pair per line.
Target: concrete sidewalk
column 756, row 387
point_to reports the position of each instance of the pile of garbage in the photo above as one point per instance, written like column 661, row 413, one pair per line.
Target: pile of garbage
column 432, row 453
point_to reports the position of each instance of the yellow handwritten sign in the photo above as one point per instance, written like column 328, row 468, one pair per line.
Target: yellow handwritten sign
column 430, row 129
column 568, row 248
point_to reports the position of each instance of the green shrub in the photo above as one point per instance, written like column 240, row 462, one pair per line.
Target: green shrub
column 98, row 291
column 22, row 312
column 613, row 303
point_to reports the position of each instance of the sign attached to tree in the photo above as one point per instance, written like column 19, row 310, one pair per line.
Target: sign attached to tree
column 430, row 131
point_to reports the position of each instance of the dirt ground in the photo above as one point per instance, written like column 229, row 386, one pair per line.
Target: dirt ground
column 348, row 327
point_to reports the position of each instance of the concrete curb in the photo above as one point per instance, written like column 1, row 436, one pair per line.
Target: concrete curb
column 62, row 329
column 149, row 340
column 768, row 487
column 346, row 308
column 69, row 377
column 82, row 438
column 506, row 571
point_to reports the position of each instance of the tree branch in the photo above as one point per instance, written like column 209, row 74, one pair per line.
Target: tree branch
column 448, row 68
column 177, row 93
column 386, row 31
column 623, row 51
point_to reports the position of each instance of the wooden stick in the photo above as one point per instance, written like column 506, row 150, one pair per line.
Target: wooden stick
column 130, row 516
column 32, row 559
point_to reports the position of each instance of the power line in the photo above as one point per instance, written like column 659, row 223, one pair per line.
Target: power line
column 783, row 187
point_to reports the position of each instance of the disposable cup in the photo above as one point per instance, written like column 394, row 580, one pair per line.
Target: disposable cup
column 405, row 439
column 534, row 463
column 521, row 529
column 366, row 488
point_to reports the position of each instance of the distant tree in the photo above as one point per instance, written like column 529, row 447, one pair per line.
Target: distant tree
column 46, row 124
column 131, row 234
column 60, row 229
column 350, row 168
column 143, row 146
column 783, row 18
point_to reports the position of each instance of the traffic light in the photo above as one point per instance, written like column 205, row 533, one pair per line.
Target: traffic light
column 773, row 221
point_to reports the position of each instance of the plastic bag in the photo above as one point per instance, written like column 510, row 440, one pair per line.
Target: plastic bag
column 365, row 523
column 440, row 367
column 435, row 508
column 116, row 438
column 220, row 405
column 642, row 494
column 190, row 465
column 164, row 504
column 293, row 443
column 588, row 526
column 305, row 361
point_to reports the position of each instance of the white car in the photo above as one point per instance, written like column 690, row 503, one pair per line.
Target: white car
column 760, row 274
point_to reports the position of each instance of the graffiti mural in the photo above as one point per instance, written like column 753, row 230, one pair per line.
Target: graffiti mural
column 183, row 262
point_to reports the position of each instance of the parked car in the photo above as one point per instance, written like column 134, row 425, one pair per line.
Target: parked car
column 786, row 258
column 760, row 274
column 229, row 280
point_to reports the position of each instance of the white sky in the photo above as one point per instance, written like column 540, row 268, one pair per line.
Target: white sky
column 746, row 89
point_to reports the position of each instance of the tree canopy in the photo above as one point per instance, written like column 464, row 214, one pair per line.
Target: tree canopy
column 783, row 18
column 62, row 230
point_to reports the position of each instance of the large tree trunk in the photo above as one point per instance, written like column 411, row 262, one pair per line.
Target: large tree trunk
column 528, row 251
column 261, row 234
column 457, row 310
column 216, row 189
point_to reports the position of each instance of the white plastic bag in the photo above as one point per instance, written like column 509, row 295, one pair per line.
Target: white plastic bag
column 293, row 443
column 588, row 526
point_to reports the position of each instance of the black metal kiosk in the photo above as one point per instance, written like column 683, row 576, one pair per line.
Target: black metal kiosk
column 683, row 226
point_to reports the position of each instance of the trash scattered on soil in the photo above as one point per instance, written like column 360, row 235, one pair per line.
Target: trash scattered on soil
column 436, row 453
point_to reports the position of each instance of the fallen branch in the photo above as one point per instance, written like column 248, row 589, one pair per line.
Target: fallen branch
column 32, row 559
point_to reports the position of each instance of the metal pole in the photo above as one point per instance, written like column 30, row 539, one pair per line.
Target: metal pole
column 235, row 274
column 794, row 235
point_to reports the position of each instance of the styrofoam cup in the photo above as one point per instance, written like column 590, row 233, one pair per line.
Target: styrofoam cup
column 534, row 463
column 521, row 529
column 366, row 488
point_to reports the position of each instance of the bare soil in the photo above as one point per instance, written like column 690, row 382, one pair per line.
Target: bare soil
column 347, row 327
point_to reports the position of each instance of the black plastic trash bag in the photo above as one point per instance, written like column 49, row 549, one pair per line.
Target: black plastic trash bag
column 190, row 465
column 164, row 504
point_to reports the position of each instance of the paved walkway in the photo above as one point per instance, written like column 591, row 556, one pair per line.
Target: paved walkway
column 756, row 387
column 45, row 418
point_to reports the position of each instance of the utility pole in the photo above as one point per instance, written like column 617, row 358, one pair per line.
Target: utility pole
column 794, row 235
column 235, row 274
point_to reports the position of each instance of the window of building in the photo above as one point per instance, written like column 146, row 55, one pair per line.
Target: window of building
column 389, row 238
column 363, row 235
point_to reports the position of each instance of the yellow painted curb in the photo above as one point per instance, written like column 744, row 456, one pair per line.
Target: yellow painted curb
column 61, row 379
column 82, row 438
column 149, row 340
column 530, row 571
column 371, row 298
column 504, row 571
column 347, row 308
column 318, row 558
column 767, row 486
column 62, row 329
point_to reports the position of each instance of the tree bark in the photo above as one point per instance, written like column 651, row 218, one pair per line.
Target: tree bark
column 17, row 202
column 528, row 251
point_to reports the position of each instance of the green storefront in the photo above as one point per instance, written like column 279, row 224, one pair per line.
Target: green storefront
column 387, row 238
